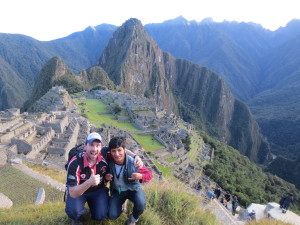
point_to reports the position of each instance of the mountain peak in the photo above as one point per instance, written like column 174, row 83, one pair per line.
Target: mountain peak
column 131, row 23
column 180, row 20
column 294, row 23
column 207, row 20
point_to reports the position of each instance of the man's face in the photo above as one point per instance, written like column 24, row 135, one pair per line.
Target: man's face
column 92, row 150
column 118, row 155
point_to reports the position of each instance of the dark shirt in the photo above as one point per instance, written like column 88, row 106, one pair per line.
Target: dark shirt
column 79, row 171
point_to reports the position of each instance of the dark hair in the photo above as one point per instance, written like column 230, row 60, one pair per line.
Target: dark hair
column 117, row 142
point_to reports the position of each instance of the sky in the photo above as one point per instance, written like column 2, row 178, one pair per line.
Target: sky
column 51, row 19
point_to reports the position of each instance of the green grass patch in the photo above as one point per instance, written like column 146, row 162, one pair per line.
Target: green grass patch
column 196, row 143
column 96, row 106
column 148, row 142
column 23, row 189
column 170, row 160
column 93, row 105
column 55, row 173
column 166, row 171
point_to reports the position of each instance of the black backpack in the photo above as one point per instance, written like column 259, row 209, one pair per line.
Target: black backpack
column 75, row 151
column 78, row 149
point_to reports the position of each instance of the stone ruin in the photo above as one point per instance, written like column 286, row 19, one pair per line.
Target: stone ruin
column 145, row 115
column 40, row 135
column 56, row 99
column 160, row 123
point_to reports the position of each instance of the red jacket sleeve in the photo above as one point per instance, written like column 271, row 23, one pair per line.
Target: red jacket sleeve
column 147, row 174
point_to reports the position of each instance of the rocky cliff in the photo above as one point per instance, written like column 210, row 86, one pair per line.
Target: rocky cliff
column 135, row 63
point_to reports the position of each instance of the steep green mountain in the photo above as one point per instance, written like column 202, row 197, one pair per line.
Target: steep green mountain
column 23, row 57
column 288, row 169
column 53, row 69
column 230, row 49
column 57, row 73
column 13, row 89
column 95, row 77
column 283, row 34
column 136, row 64
column 277, row 109
column 259, row 65
column 238, row 175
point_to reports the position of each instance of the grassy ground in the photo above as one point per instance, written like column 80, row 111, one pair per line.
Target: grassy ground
column 148, row 142
column 23, row 189
column 166, row 171
column 167, row 204
column 196, row 143
column 172, row 159
column 54, row 173
column 94, row 107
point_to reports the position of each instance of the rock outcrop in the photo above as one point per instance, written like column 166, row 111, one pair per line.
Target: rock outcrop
column 135, row 63
column 5, row 202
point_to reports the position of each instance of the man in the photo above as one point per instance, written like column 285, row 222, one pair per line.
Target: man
column 125, row 182
column 235, row 204
column 85, row 183
column 252, row 215
column 286, row 202
column 217, row 192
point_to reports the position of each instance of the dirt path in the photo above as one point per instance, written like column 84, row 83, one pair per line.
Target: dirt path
column 40, row 177
column 222, row 214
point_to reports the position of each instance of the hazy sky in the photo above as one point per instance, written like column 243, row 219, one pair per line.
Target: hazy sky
column 51, row 19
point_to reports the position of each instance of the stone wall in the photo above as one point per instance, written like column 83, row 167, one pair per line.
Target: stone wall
column 161, row 141
column 7, row 125
column 63, row 143
column 59, row 125
column 8, row 136
column 72, row 140
column 22, row 145
column 41, row 143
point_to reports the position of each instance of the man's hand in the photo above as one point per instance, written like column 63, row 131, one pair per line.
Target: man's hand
column 109, row 177
column 94, row 179
column 138, row 163
column 136, row 176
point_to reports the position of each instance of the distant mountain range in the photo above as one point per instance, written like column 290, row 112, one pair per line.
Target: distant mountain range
column 22, row 58
column 261, row 68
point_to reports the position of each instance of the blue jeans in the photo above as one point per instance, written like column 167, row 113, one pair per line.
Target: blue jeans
column 116, row 201
column 97, row 202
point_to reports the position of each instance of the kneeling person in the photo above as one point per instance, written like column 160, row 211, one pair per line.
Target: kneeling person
column 85, row 182
column 125, row 182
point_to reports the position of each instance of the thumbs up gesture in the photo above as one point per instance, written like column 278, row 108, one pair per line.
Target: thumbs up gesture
column 109, row 177
column 94, row 178
column 136, row 176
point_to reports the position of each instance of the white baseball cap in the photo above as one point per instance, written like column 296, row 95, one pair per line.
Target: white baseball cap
column 93, row 137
